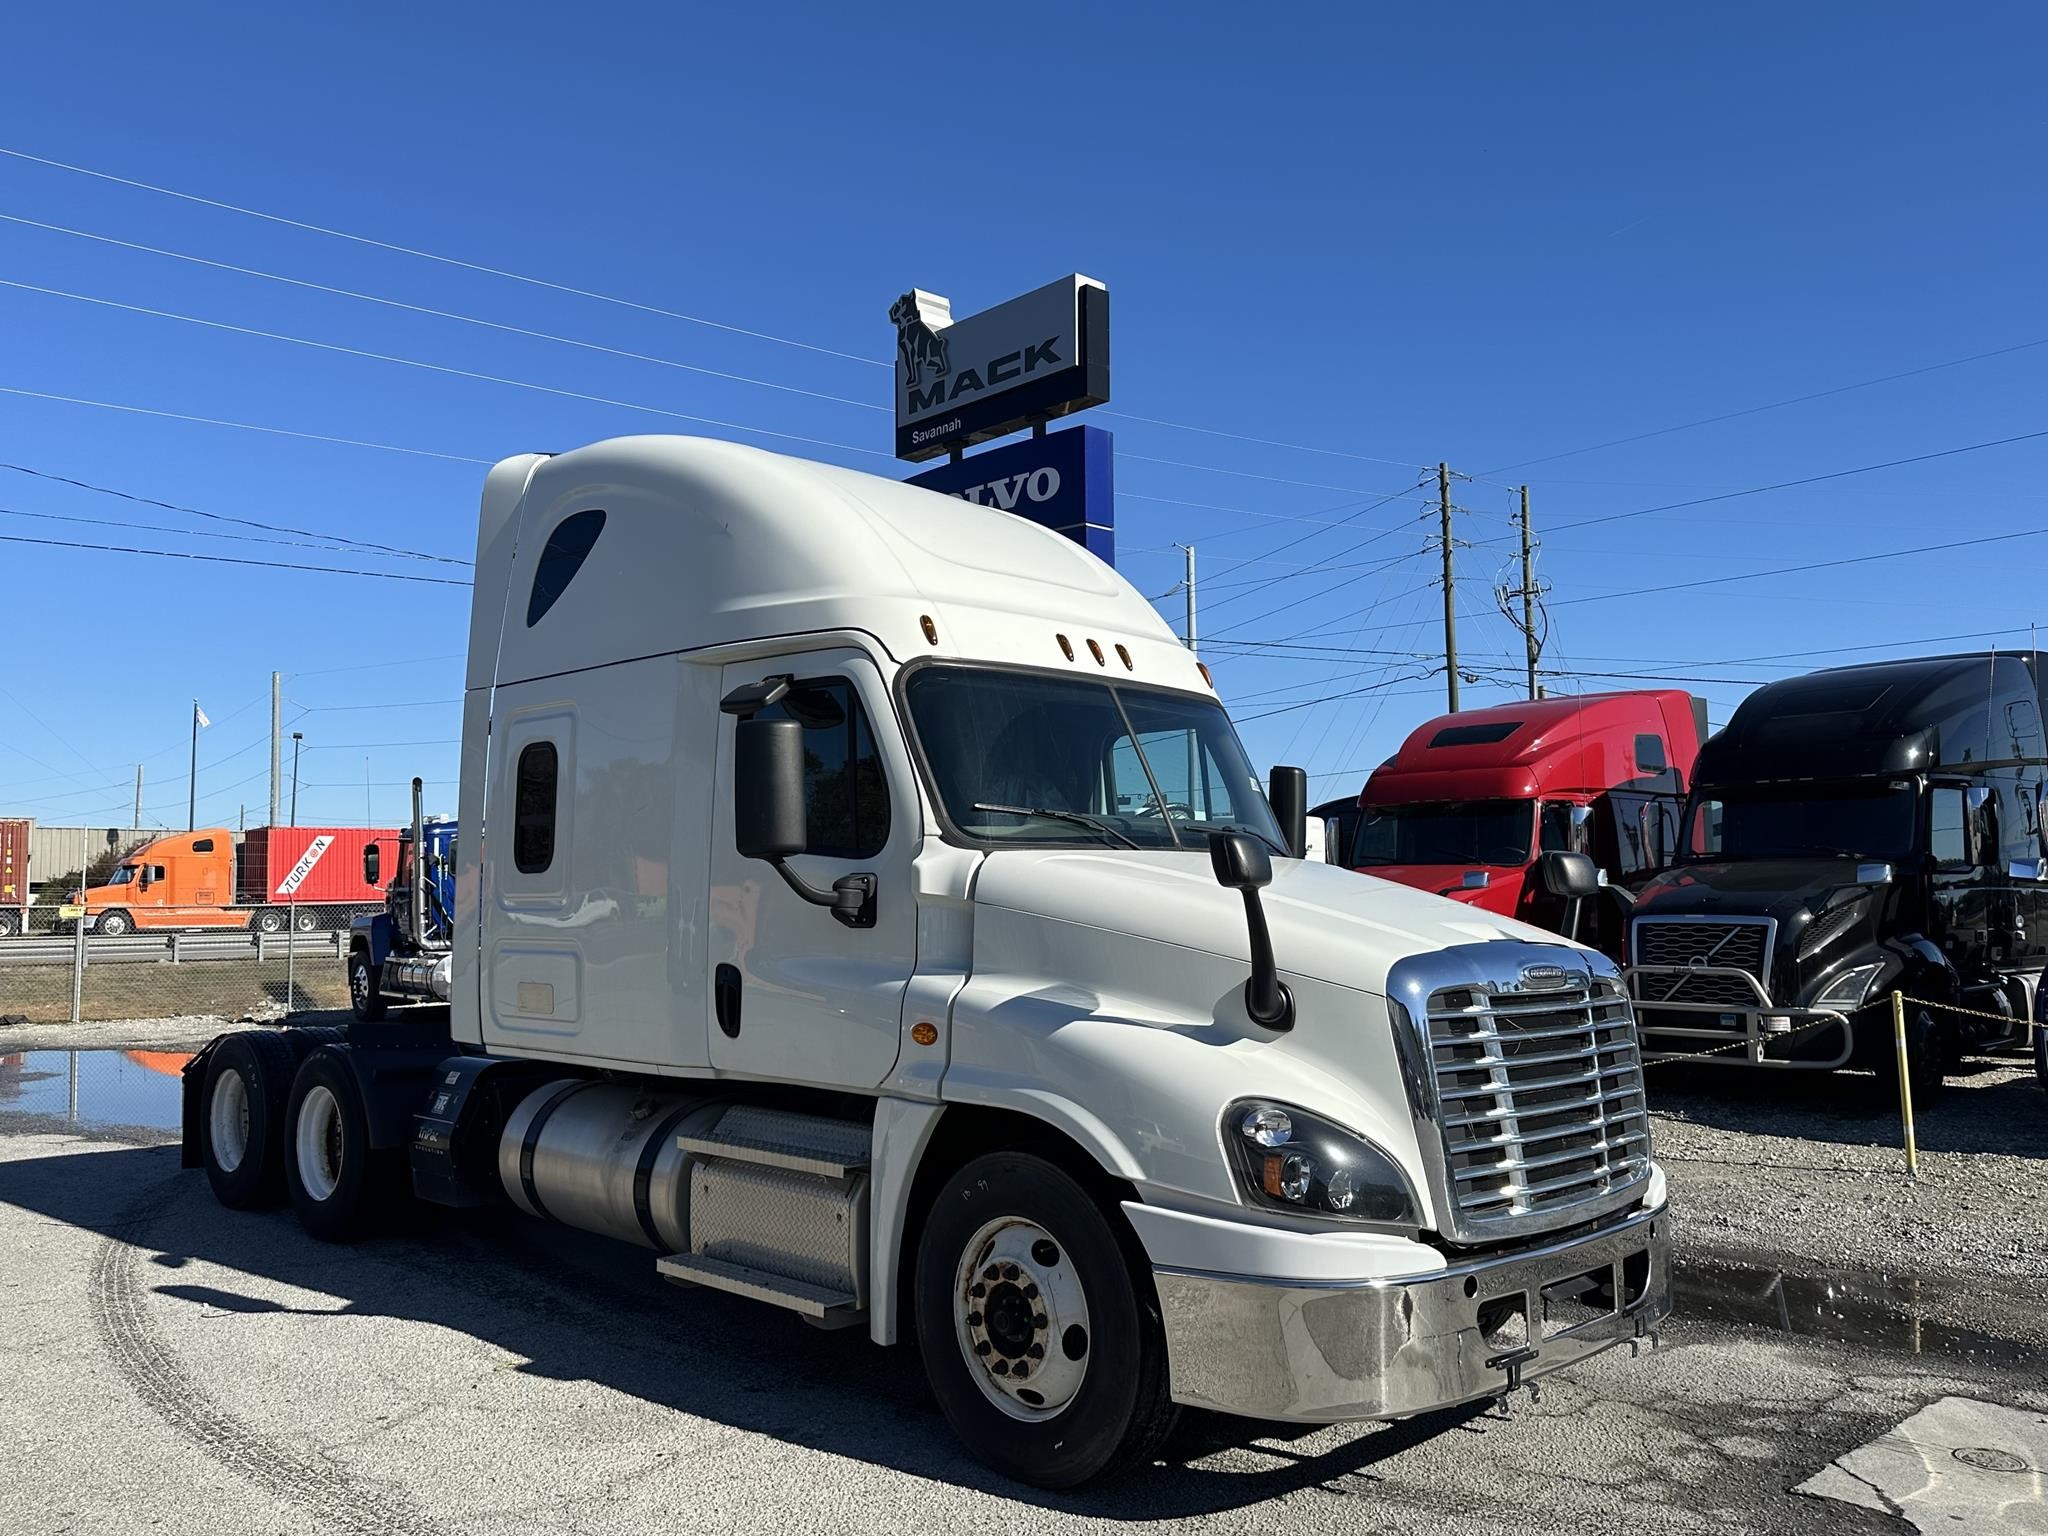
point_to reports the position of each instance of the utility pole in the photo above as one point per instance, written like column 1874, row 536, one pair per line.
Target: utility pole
column 276, row 739
column 192, row 781
column 1528, row 599
column 138, row 797
column 1187, row 586
column 1194, row 647
column 1443, row 496
column 297, row 737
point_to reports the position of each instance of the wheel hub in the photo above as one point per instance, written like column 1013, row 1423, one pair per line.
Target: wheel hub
column 1021, row 1318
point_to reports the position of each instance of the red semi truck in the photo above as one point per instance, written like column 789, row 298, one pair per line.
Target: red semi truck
column 268, row 879
column 1470, row 804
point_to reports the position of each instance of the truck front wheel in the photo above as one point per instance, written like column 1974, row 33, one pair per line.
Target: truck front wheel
column 241, row 1143
column 1930, row 1056
column 363, row 994
column 112, row 925
column 1040, row 1336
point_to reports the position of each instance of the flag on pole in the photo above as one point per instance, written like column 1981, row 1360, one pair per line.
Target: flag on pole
column 199, row 715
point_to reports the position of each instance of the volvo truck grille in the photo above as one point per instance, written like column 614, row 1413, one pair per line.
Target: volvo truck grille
column 1700, row 945
column 1533, row 1081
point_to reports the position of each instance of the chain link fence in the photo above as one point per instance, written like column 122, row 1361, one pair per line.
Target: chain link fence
column 112, row 962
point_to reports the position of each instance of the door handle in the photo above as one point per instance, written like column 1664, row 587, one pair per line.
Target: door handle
column 725, row 996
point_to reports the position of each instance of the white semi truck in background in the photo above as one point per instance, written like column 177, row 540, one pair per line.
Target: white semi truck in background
column 865, row 903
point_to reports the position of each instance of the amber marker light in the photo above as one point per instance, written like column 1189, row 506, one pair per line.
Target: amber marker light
column 924, row 1032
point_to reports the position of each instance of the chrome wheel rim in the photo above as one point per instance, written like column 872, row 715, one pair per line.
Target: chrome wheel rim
column 227, row 1120
column 1020, row 1316
column 319, row 1142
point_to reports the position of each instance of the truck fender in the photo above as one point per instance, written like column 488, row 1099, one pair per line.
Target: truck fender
column 374, row 934
column 395, row 1083
column 903, row 1131
column 1924, row 965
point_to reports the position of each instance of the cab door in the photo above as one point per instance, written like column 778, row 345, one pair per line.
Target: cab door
column 798, row 995
column 1961, row 897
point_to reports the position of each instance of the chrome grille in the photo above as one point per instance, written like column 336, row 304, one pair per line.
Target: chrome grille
column 1540, row 1099
column 1737, row 944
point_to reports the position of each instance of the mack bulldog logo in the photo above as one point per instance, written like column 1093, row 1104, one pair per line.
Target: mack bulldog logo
column 920, row 348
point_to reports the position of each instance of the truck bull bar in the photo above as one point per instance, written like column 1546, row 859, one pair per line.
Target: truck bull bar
column 1749, row 1028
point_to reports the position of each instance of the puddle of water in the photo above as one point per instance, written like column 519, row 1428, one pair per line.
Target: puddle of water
column 130, row 1089
column 1890, row 1312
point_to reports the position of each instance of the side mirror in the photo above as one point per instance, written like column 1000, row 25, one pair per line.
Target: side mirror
column 1476, row 880
column 1242, row 864
column 1570, row 875
column 2023, row 869
column 372, row 867
column 768, row 821
column 143, row 882
column 1873, row 874
column 1287, row 792
column 768, row 789
column 1240, row 861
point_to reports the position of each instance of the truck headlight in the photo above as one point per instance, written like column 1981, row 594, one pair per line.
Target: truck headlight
column 1852, row 988
column 1290, row 1160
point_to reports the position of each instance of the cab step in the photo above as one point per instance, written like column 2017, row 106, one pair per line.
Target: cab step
column 773, row 1138
column 819, row 1304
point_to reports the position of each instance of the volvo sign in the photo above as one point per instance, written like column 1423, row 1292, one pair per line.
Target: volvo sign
column 1061, row 481
column 961, row 382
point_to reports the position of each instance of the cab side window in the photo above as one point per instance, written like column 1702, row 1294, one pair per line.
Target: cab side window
column 533, row 807
column 846, row 795
column 1948, row 834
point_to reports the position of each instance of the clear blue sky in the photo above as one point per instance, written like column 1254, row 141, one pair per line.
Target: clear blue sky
column 1487, row 234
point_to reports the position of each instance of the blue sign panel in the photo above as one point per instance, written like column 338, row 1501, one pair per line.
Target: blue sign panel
column 1063, row 481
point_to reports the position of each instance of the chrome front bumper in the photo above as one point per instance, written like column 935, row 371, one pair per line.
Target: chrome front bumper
column 1319, row 1352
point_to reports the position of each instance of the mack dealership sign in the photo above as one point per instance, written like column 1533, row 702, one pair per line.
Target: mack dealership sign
column 961, row 382
column 1061, row 481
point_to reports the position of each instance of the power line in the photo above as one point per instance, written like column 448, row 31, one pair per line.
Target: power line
column 243, row 426
column 1785, row 485
column 185, row 554
column 444, row 314
column 394, row 550
column 1820, row 394
column 1793, row 570
column 1267, row 442
column 451, row 261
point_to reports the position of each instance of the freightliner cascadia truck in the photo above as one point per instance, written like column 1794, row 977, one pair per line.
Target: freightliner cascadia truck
column 1473, row 804
column 982, row 999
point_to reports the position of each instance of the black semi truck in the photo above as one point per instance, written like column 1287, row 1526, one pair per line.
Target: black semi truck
column 1852, row 832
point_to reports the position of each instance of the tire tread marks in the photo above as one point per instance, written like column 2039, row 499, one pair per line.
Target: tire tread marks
column 149, row 1365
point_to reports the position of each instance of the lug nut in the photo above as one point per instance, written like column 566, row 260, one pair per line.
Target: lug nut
column 1020, row 1369
column 1038, row 1320
column 1036, row 1351
column 1002, row 1367
column 1031, row 1293
column 991, row 1274
column 982, row 1346
column 974, row 1319
column 977, row 1290
column 1009, row 1271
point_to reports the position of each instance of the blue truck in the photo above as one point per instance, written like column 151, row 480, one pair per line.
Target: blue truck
column 401, row 955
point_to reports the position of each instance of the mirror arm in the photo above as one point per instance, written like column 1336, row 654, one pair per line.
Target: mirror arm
column 1266, row 997
column 852, row 897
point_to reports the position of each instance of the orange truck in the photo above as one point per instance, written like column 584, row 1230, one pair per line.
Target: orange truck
column 265, row 880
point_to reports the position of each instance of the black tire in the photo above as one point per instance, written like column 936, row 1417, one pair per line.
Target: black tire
column 252, row 1073
column 112, row 925
column 348, row 1188
column 1930, row 1056
column 2040, row 1034
column 1120, row 1411
column 10, row 923
column 268, row 920
column 364, row 998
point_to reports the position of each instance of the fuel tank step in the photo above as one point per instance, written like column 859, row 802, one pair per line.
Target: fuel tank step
column 774, row 1138
column 819, row 1303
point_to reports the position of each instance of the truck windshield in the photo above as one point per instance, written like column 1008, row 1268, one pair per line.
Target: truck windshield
column 1081, row 761
column 1863, row 821
column 1495, row 832
column 122, row 876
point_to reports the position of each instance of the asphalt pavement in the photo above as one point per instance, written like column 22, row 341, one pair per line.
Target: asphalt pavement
column 171, row 1366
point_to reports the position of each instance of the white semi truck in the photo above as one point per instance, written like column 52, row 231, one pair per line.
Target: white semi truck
column 872, row 911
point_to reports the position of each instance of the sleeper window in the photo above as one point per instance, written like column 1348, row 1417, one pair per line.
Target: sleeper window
column 567, row 548
column 533, row 809
column 846, row 797
column 204, row 845
column 1948, row 836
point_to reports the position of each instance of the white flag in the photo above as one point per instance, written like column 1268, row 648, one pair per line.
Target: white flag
column 199, row 714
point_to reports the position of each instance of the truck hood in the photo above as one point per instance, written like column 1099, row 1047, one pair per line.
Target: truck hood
column 1329, row 923
column 1787, row 889
column 1448, row 880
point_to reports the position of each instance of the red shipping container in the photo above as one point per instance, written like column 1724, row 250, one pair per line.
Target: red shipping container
column 308, row 864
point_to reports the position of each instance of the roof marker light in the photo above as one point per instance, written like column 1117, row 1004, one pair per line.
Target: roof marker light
column 931, row 630
column 1066, row 645
column 1124, row 655
column 1095, row 650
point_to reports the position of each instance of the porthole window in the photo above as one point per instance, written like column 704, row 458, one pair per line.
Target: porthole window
column 567, row 548
column 533, row 808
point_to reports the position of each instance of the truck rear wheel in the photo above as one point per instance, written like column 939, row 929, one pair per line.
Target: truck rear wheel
column 241, row 1141
column 338, row 1185
column 269, row 920
column 305, row 919
column 1041, row 1338
column 363, row 994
